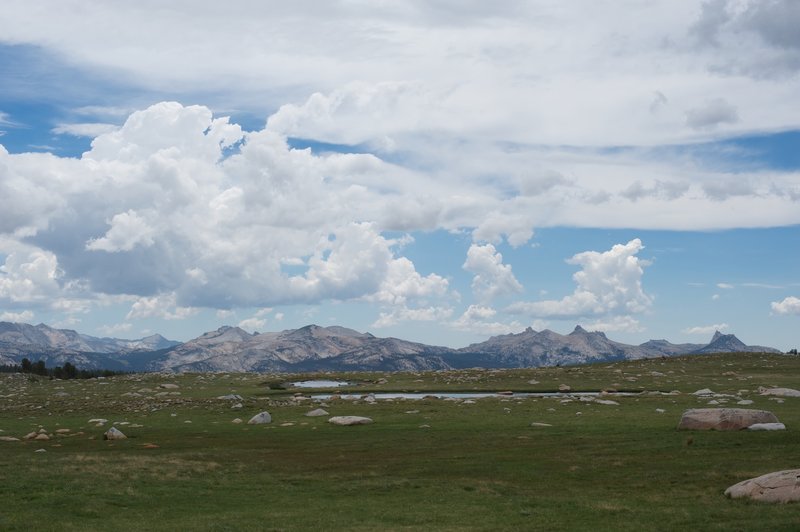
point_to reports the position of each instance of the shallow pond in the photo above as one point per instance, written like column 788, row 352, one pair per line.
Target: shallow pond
column 319, row 384
column 464, row 395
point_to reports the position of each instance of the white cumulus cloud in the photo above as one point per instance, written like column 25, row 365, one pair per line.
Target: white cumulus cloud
column 161, row 306
column 479, row 319
column 789, row 305
column 492, row 278
column 609, row 283
column 17, row 317
column 128, row 230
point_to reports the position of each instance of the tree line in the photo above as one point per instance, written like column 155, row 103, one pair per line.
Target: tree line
column 65, row 372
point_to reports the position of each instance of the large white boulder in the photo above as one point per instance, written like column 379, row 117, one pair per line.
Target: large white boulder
column 781, row 486
column 114, row 434
column 260, row 419
column 724, row 418
column 350, row 420
column 779, row 392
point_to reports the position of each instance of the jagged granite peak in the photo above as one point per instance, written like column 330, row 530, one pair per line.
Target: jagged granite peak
column 546, row 348
column 728, row 343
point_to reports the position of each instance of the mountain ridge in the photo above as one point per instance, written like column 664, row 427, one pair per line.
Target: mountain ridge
column 316, row 348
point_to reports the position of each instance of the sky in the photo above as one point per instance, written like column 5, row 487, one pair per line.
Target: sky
column 438, row 171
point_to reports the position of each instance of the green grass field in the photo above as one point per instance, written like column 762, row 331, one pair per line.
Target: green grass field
column 430, row 464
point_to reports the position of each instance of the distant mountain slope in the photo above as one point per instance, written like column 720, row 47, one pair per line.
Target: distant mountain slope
column 663, row 347
column 315, row 348
column 232, row 349
column 546, row 348
column 57, row 346
column 43, row 336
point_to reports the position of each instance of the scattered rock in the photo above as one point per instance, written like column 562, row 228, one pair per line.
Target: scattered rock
column 606, row 402
column 260, row 419
column 350, row 420
column 62, row 431
column 723, row 418
column 767, row 426
column 98, row 420
column 8, row 438
column 42, row 437
column 30, row 435
column 781, row 486
column 660, row 410
column 537, row 424
column 114, row 434
column 779, row 392
column 564, row 388
column 744, row 402
column 704, row 391
column 237, row 421
column 230, row 397
column 40, row 451
column 150, row 446
column 317, row 412
column 168, row 386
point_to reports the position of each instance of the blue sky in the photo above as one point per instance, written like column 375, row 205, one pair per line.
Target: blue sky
column 438, row 173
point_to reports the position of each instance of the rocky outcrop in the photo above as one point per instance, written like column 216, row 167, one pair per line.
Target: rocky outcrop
column 724, row 418
column 780, row 487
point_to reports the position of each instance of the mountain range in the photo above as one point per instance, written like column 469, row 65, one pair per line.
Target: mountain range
column 315, row 348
